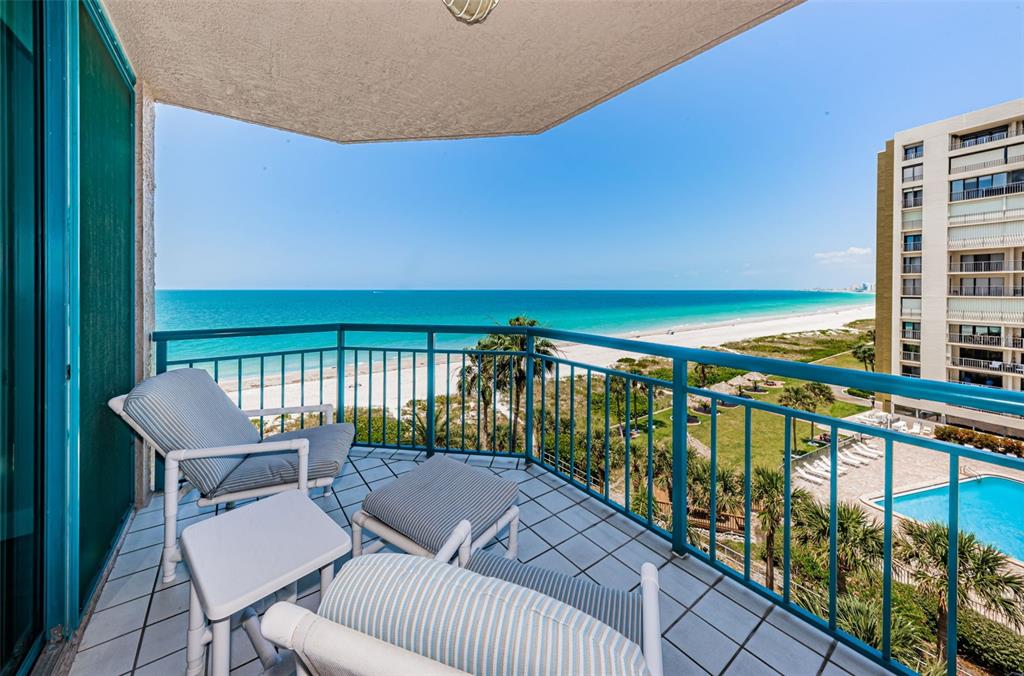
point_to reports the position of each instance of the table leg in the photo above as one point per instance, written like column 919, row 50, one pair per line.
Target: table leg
column 221, row 652
column 195, row 650
column 326, row 577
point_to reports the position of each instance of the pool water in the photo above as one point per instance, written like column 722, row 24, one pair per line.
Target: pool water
column 990, row 507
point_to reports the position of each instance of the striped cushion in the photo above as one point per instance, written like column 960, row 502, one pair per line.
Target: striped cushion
column 481, row 625
column 621, row 610
column 427, row 503
column 186, row 409
column 328, row 448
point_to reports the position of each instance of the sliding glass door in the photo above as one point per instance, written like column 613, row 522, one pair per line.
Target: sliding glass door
column 20, row 366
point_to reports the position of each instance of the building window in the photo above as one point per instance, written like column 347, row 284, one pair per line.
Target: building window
column 979, row 137
column 914, row 172
column 912, row 265
column 911, row 287
column 914, row 151
column 911, row 242
column 912, row 330
column 910, row 371
column 989, row 185
column 912, row 197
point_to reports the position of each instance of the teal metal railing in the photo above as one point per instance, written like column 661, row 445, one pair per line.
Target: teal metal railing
column 610, row 432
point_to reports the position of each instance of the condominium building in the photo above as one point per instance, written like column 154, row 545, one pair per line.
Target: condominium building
column 950, row 216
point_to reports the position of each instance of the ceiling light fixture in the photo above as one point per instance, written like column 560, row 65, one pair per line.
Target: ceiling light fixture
column 470, row 11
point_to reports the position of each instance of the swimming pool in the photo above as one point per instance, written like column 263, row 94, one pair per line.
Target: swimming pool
column 990, row 507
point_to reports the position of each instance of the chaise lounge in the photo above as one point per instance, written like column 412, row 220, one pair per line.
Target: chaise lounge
column 204, row 437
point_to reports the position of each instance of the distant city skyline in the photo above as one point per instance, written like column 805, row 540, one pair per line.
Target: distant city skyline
column 750, row 166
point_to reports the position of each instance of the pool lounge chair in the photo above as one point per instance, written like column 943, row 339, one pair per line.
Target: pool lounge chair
column 810, row 478
column 204, row 437
column 397, row 614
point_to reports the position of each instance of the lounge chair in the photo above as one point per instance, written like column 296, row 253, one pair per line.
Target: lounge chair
column 396, row 614
column 815, row 469
column 206, row 438
column 865, row 449
column 810, row 478
column 851, row 460
column 442, row 508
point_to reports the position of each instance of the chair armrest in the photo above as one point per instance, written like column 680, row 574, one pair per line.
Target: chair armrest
column 326, row 409
column 651, row 615
column 300, row 446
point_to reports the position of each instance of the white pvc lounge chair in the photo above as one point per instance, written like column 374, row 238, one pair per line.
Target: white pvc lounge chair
column 205, row 437
column 396, row 614
column 850, row 459
column 810, row 478
column 815, row 469
column 865, row 449
column 442, row 508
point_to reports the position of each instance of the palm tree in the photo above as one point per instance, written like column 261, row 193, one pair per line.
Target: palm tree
column 768, row 493
column 416, row 419
column 858, row 540
column 822, row 395
column 703, row 373
column 796, row 397
column 479, row 373
column 865, row 354
column 984, row 575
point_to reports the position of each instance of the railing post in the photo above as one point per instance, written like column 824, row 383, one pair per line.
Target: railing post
column 430, row 394
column 528, row 425
column 161, row 356
column 679, row 418
column 340, row 362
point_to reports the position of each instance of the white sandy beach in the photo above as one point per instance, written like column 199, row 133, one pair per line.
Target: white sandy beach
column 704, row 335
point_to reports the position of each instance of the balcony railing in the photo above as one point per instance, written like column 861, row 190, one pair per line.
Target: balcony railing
column 957, row 144
column 912, row 269
column 987, row 266
column 987, row 291
column 912, row 246
column 911, row 290
column 911, row 334
column 910, row 356
column 987, row 365
column 993, row 191
column 986, row 164
column 613, row 433
column 972, row 339
column 911, row 202
column 986, row 216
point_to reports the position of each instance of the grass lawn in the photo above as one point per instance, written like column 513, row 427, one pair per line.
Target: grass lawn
column 843, row 360
column 767, row 431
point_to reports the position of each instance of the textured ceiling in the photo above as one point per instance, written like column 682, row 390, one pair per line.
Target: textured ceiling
column 369, row 70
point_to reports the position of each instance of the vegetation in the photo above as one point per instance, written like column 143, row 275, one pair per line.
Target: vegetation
column 991, row 442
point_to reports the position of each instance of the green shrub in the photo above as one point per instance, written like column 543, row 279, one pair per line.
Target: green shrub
column 991, row 442
column 863, row 394
column 989, row 644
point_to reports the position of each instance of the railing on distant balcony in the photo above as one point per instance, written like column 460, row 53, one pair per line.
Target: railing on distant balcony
column 912, row 246
column 993, row 191
column 987, row 266
column 974, row 339
column 1010, row 159
column 911, row 202
column 913, row 178
column 620, row 436
column 988, row 291
column 987, row 364
column 912, row 154
column 910, row 356
column 957, row 143
column 910, row 334
column 986, row 216
column 912, row 269
column 911, row 290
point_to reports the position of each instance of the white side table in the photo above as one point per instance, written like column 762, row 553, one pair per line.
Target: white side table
column 244, row 555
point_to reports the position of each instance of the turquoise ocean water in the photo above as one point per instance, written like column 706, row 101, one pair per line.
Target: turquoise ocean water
column 607, row 312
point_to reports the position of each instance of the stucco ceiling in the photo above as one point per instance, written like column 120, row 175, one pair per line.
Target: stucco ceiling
column 370, row 70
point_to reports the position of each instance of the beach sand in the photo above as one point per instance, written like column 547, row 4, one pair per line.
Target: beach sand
column 705, row 335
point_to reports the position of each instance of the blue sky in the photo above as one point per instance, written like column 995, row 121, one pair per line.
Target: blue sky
column 750, row 166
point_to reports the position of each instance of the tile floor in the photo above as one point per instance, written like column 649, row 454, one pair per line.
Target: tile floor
column 711, row 623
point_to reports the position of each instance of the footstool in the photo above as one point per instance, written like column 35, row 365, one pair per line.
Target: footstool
column 245, row 555
column 441, row 509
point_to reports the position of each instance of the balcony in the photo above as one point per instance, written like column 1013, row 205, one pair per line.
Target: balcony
column 957, row 144
column 1009, row 159
column 909, row 202
column 994, row 191
column 912, row 269
column 910, row 356
column 912, row 246
column 987, row 291
column 987, row 266
column 971, row 339
column 986, row 217
column 604, row 485
column 988, row 365
column 909, row 334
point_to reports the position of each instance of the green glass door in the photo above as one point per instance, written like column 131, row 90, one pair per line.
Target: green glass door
column 20, row 367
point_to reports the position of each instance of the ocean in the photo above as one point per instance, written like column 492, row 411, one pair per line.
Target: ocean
column 606, row 312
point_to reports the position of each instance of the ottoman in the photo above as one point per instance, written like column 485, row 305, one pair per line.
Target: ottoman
column 441, row 509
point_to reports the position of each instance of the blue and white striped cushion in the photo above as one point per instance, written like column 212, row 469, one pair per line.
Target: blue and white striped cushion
column 481, row 625
column 619, row 609
column 186, row 409
column 427, row 503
